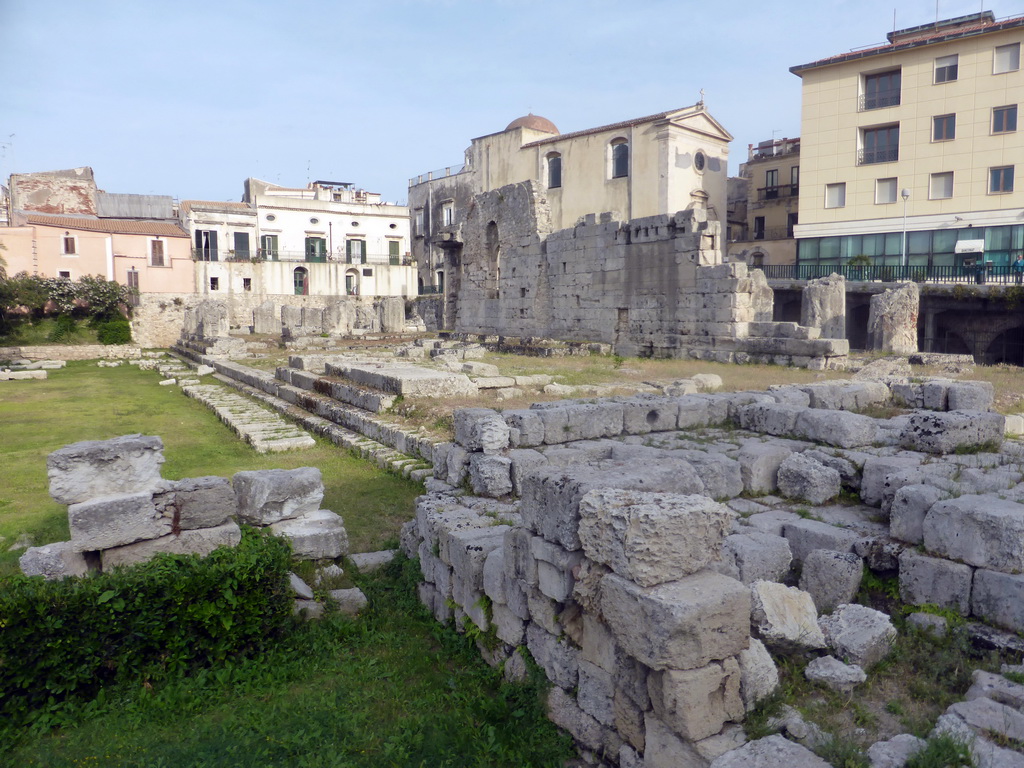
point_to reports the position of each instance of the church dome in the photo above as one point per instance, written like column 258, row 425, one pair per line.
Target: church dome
column 533, row 122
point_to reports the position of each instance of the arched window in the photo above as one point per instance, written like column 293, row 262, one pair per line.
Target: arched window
column 352, row 283
column 620, row 158
column 554, row 170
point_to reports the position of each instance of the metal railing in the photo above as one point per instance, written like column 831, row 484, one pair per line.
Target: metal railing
column 772, row 233
column 879, row 99
column 300, row 256
column 964, row 273
column 430, row 290
column 778, row 191
column 869, row 156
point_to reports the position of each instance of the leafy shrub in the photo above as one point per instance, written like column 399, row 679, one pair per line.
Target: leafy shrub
column 63, row 329
column 65, row 640
column 114, row 332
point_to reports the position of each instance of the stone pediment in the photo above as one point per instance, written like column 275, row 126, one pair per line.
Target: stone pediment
column 699, row 122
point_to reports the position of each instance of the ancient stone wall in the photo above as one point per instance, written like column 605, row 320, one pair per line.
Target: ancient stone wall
column 70, row 352
column 608, row 536
column 650, row 286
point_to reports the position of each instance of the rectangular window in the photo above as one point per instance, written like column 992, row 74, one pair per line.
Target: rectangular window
column 69, row 245
column 214, row 283
column 355, row 251
column 771, row 184
column 946, row 69
column 880, row 145
column 241, row 241
column 791, row 222
column 1006, row 59
column 156, row 253
column 447, row 214
column 881, row 89
column 1004, row 119
column 247, row 284
column 316, row 249
column 64, row 275
column 940, row 186
column 794, row 179
column 418, row 222
column 943, row 127
column 885, row 191
column 206, row 245
column 759, row 227
column 1000, row 180
column 393, row 252
column 268, row 247
column 835, row 195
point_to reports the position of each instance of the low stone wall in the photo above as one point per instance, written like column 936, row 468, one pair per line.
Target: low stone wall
column 120, row 511
column 71, row 352
column 630, row 544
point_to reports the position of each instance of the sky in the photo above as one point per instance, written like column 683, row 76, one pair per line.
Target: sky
column 190, row 98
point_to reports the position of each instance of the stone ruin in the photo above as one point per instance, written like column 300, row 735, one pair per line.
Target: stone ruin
column 642, row 549
column 121, row 512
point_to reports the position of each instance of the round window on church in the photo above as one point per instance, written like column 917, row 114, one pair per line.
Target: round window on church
column 699, row 161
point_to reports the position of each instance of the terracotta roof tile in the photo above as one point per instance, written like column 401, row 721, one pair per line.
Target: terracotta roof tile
column 112, row 226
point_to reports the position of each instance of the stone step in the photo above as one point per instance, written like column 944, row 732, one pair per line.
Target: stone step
column 349, row 393
column 262, row 429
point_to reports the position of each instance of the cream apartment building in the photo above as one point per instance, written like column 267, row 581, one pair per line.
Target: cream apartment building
column 772, row 176
column 918, row 135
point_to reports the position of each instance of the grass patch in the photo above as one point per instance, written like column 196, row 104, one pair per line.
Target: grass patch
column 943, row 751
column 391, row 688
column 31, row 332
column 84, row 402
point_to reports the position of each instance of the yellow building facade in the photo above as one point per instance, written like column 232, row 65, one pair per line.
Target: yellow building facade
column 918, row 136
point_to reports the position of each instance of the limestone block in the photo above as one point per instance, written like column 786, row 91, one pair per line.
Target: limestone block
column 759, row 677
column 861, row 635
column 318, row 535
column 518, row 559
column 823, row 305
column 348, row 601
column 721, row 475
column 201, row 541
column 875, row 472
column 770, row 418
column 641, row 415
column 932, row 580
column 698, row 411
column 270, row 495
column 651, row 538
column 831, row 578
column 785, row 617
column 629, row 719
column 94, row 468
column 596, row 692
column 839, row 428
column 995, row 687
column 970, row 395
column 987, row 716
column 199, row 502
column 523, row 461
column 592, row 420
column 559, row 660
column 892, row 320
column 555, row 567
column 53, row 561
column 999, row 599
column 804, row 536
column 834, row 675
column 113, row 521
column 984, row 531
column 490, row 475
column 909, row 507
column 801, row 477
column 665, row 748
column 895, row 752
column 457, row 464
column 759, row 465
column 508, row 627
column 551, row 494
column 683, row 624
column 983, row 751
column 849, row 474
column 929, row 624
column 526, row 429
column 755, row 556
column 480, row 429
column 494, row 578
column 468, row 549
column 947, row 432
column 770, row 752
column 565, row 712
column 696, row 703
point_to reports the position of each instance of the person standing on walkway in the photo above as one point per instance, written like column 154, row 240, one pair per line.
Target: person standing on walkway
column 1018, row 269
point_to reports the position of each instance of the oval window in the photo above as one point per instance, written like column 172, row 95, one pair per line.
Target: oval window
column 271, row 217
column 314, row 220
column 698, row 161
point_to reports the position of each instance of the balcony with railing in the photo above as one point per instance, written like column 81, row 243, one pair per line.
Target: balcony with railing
column 883, row 155
column 878, row 99
column 778, row 192
column 260, row 254
column 1001, row 274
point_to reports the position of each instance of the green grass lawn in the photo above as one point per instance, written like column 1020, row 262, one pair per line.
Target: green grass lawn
column 391, row 688
column 84, row 402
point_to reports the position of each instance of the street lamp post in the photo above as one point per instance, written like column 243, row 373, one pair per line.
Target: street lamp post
column 905, row 194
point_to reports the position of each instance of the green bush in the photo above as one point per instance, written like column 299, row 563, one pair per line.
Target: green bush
column 62, row 641
column 116, row 331
column 63, row 329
